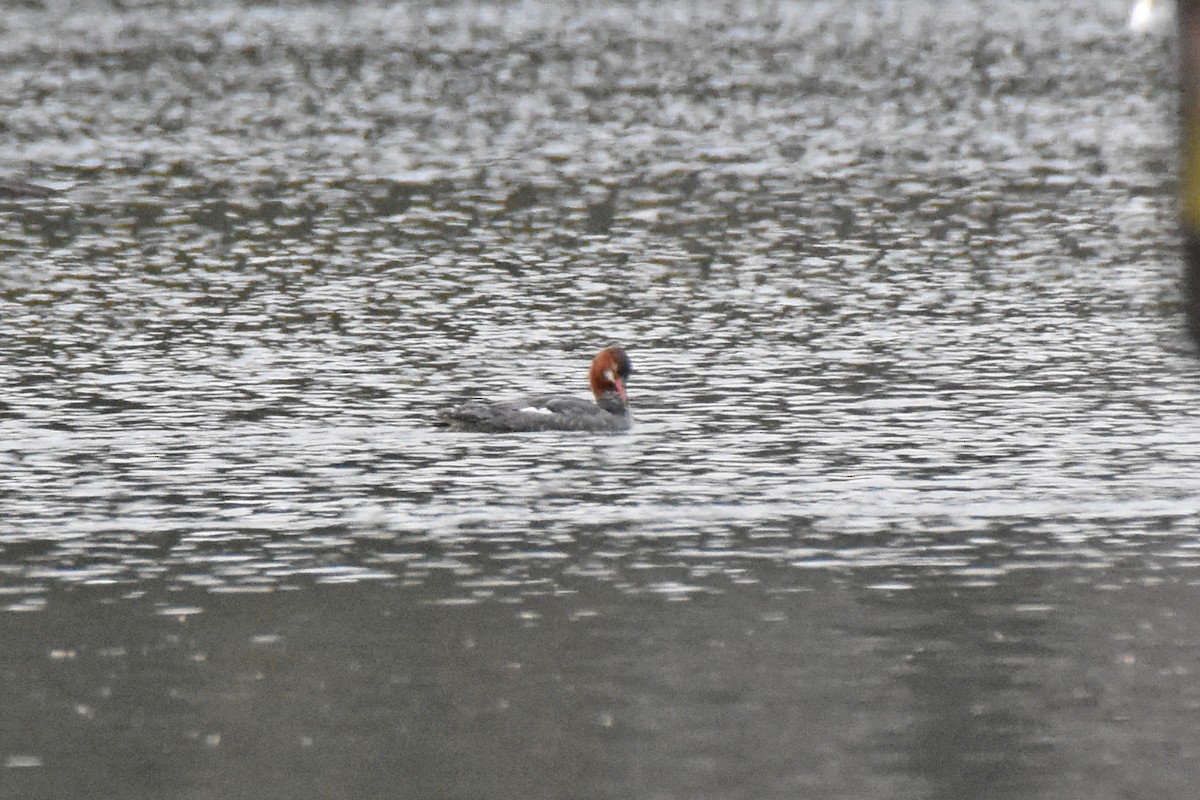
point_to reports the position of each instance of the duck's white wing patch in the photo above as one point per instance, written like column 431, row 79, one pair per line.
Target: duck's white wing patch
column 535, row 410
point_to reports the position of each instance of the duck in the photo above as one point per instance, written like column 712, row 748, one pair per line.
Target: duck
column 609, row 413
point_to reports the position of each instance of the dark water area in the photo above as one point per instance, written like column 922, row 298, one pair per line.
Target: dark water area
column 909, row 508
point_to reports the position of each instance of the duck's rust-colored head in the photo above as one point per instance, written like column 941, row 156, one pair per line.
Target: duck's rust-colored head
column 610, row 369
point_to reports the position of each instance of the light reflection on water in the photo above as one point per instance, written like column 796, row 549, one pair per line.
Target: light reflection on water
column 912, row 466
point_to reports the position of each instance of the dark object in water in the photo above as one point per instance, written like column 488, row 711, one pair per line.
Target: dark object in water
column 600, row 215
column 14, row 188
column 1189, row 179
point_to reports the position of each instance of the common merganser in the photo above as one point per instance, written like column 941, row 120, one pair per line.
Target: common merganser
column 610, row 370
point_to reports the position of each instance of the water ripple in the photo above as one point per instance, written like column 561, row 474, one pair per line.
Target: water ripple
column 915, row 311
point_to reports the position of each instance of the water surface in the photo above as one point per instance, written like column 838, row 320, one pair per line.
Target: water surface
column 909, row 508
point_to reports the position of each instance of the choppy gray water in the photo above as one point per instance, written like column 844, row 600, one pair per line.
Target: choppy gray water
column 910, row 508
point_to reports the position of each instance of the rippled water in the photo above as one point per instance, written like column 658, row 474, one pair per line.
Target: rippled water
column 914, row 406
